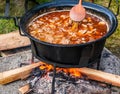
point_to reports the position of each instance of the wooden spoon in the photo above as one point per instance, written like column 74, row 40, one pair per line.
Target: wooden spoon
column 78, row 12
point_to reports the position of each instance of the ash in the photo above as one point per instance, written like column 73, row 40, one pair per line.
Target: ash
column 66, row 85
column 109, row 63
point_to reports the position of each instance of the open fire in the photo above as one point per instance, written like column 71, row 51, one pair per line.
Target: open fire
column 67, row 80
column 72, row 72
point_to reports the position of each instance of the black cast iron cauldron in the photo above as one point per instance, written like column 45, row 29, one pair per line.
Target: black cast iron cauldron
column 78, row 55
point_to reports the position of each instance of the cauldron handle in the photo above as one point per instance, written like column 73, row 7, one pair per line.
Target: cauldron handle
column 16, row 19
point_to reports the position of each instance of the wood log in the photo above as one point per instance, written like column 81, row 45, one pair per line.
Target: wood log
column 13, row 40
column 15, row 74
column 101, row 76
column 18, row 73
column 24, row 89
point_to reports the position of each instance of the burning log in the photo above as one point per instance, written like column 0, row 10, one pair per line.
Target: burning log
column 12, row 75
column 89, row 73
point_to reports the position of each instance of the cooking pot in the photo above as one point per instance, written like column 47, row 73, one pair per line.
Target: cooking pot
column 77, row 55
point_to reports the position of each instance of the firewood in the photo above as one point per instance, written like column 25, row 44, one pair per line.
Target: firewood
column 101, row 76
column 16, row 74
column 13, row 40
column 24, row 89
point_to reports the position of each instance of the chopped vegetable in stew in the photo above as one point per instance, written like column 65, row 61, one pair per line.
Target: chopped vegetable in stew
column 57, row 27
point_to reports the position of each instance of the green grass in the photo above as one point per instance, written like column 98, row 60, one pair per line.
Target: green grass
column 7, row 26
column 17, row 9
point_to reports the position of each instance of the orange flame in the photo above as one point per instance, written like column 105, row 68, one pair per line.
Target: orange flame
column 74, row 72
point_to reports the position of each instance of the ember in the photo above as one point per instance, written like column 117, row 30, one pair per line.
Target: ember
column 72, row 72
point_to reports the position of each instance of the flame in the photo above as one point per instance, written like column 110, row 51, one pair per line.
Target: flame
column 73, row 72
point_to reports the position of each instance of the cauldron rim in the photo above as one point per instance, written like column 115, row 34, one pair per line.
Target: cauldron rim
column 86, row 5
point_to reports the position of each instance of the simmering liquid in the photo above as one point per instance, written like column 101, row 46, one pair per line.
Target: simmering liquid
column 57, row 28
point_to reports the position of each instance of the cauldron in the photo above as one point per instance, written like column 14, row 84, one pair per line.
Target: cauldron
column 77, row 55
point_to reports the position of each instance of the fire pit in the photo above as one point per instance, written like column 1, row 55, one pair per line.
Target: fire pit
column 82, row 55
column 77, row 55
column 63, row 84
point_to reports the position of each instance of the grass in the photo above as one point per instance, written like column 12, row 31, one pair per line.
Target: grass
column 7, row 26
column 17, row 9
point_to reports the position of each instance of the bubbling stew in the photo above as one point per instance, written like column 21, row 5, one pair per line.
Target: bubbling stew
column 56, row 27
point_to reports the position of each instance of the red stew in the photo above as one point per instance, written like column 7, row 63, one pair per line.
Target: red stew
column 58, row 28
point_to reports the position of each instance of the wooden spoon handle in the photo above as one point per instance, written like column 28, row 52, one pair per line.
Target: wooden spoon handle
column 80, row 2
